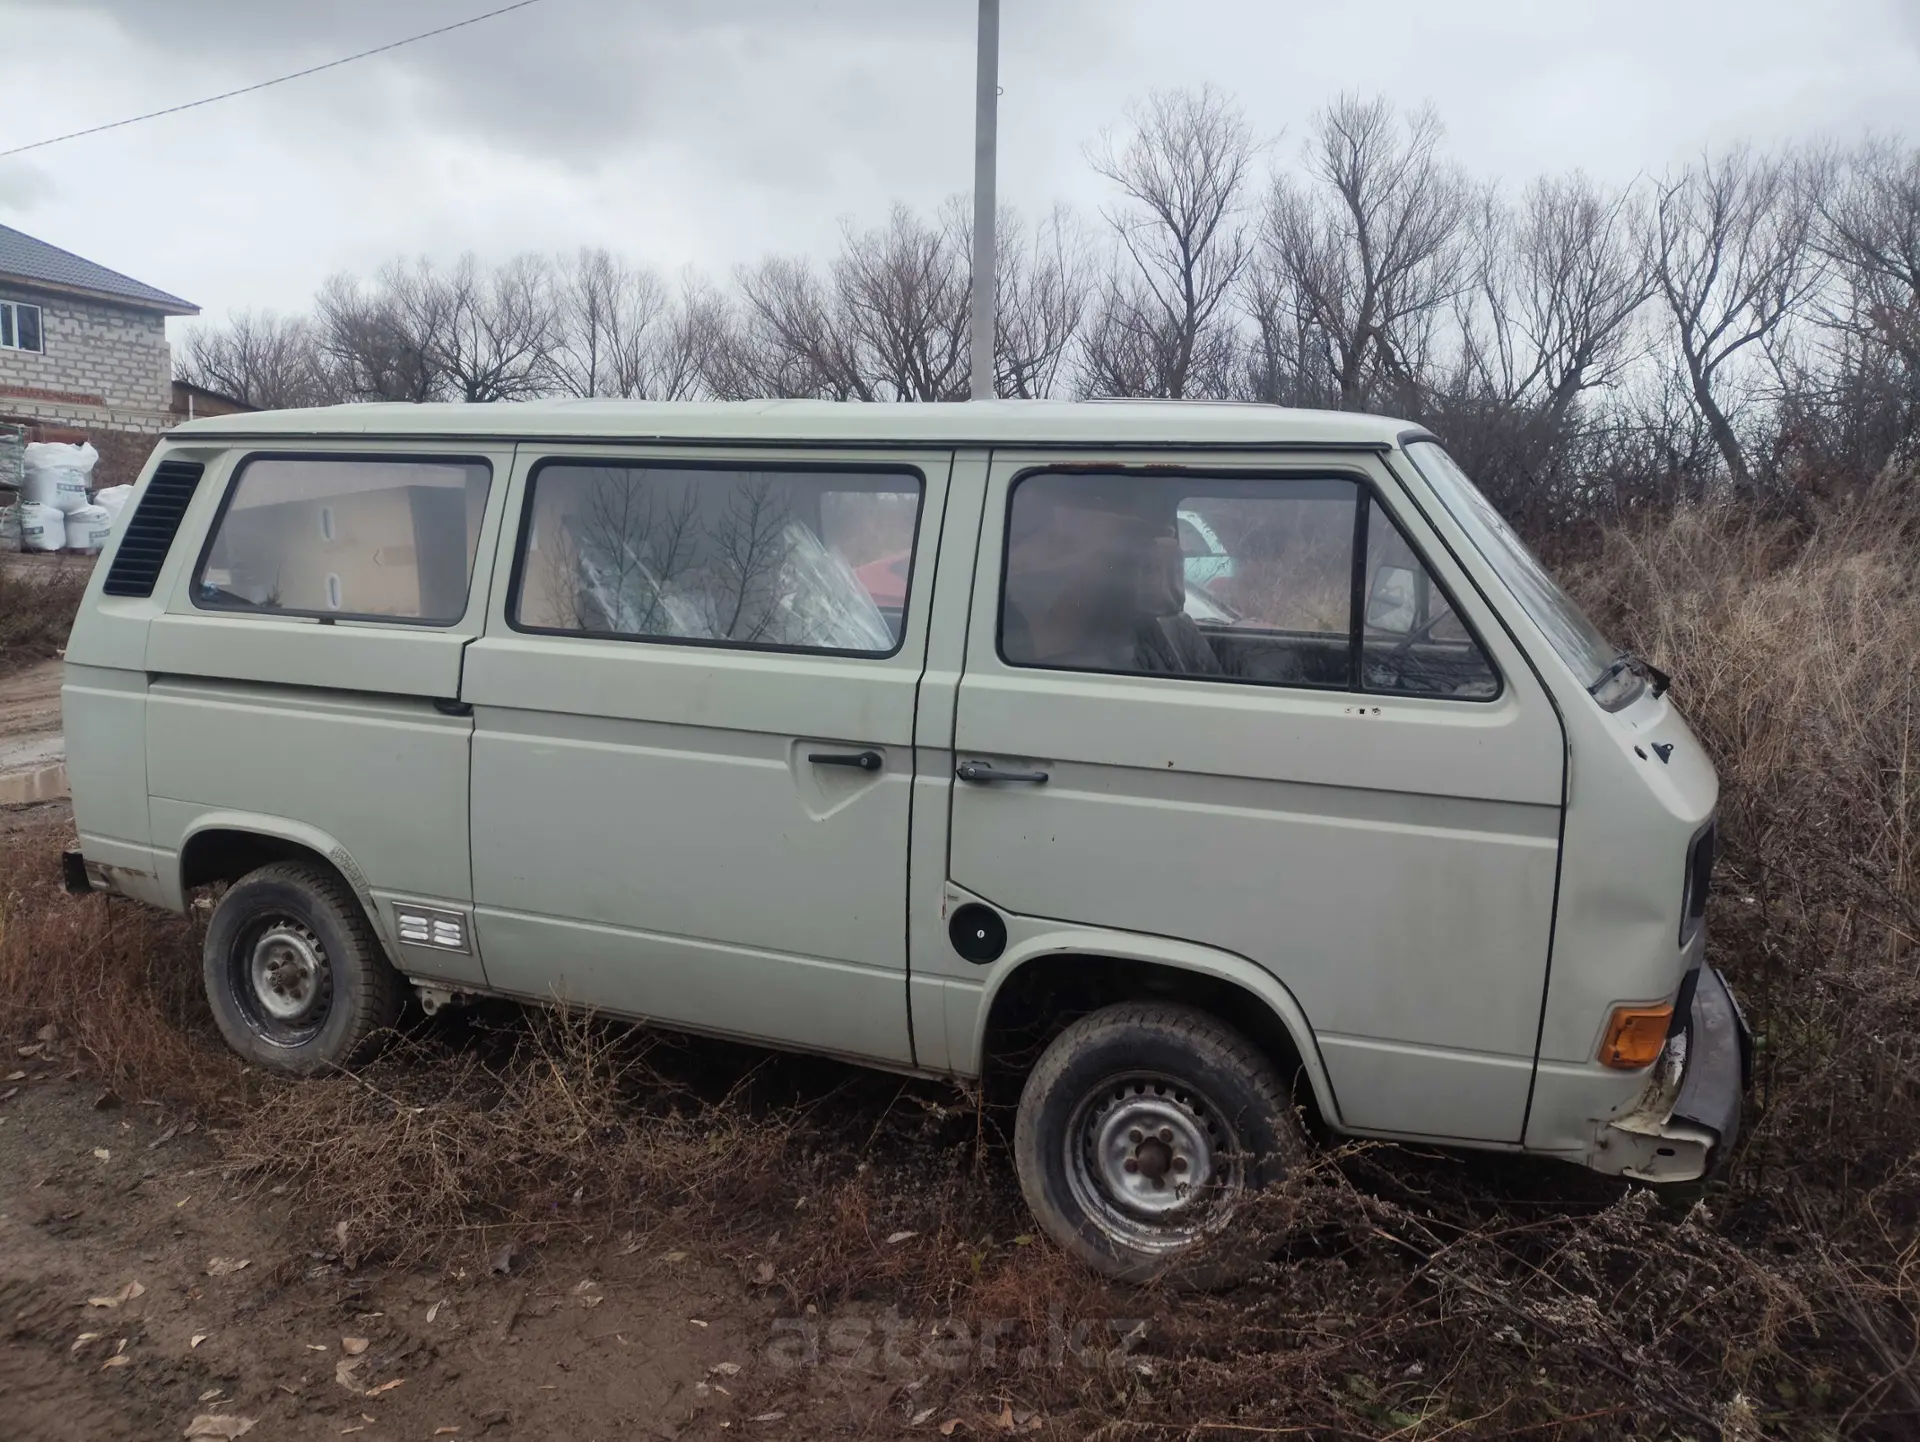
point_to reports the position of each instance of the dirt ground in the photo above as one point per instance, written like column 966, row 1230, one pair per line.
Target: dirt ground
column 30, row 716
column 98, row 1197
column 146, row 1282
column 37, row 594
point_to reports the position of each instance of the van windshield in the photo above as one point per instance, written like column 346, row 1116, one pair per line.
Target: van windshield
column 1594, row 659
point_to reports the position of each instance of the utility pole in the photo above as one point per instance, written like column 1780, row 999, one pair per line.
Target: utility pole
column 986, row 124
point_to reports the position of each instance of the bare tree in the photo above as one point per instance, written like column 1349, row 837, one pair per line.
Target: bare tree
column 261, row 360
column 380, row 344
column 620, row 333
column 1360, row 263
column 1555, row 289
column 606, row 311
column 887, row 322
column 788, row 338
column 1733, row 258
column 901, row 295
column 1041, row 296
column 494, row 333
column 1870, row 230
column 1375, row 276
column 688, row 343
column 1165, row 322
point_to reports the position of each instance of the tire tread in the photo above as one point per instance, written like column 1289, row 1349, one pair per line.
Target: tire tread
column 380, row 996
column 1215, row 1044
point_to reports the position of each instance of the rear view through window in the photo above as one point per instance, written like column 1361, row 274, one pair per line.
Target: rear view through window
column 799, row 560
column 374, row 538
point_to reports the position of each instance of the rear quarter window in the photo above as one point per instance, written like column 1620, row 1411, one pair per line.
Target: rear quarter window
column 356, row 537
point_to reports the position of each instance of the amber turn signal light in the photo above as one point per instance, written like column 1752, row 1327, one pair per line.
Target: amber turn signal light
column 1634, row 1036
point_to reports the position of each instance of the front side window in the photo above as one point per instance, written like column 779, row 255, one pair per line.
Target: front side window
column 1307, row 583
column 788, row 559
column 1577, row 641
column 20, row 326
column 346, row 537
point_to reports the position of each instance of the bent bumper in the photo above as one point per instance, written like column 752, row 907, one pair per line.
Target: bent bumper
column 1684, row 1124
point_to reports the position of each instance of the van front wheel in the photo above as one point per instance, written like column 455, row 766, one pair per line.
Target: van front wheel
column 1141, row 1136
column 294, row 973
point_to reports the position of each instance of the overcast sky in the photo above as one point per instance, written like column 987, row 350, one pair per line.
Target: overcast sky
column 706, row 134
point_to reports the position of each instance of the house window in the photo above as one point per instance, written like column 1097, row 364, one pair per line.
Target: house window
column 20, row 326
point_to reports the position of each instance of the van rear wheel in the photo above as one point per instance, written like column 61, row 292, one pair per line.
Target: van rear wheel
column 1141, row 1136
column 294, row 973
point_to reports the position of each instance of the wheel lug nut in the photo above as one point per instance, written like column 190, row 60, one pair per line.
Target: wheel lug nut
column 1135, row 1136
column 1131, row 1165
column 1166, row 1134
column 1179, row 1164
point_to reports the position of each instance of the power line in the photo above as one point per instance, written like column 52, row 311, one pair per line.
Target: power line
column 277, row 80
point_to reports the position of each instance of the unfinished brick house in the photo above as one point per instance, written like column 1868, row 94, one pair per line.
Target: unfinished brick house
column 83, row 352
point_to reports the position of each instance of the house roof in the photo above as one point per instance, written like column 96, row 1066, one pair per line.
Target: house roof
column 35, row 263
column 1002, row 423
column 183, row 389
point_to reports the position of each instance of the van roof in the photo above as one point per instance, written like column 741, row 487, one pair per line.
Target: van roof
column 1037, row 423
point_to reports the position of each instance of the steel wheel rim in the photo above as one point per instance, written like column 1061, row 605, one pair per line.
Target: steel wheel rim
column 283, row 981
column 1152, row 1162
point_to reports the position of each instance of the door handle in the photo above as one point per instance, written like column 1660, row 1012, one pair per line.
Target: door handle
column 860, row 760
column 981, row 772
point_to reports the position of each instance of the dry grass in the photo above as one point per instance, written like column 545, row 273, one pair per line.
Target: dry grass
column 38, row 599
column 1798, row 653
column 1415, row 1296
column 437, row 1147
column 119, row 982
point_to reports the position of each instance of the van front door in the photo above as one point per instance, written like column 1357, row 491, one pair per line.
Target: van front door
column 1297, row 759
column 693, row 739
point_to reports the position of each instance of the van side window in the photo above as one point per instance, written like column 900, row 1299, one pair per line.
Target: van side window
column 1227, row 578
column 791, row 559
column 372, row 537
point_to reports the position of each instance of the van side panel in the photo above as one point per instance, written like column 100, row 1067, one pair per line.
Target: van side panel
column 103, row 714
column 385, row 775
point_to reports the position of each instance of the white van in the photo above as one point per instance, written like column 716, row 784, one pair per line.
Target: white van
column 600, row 702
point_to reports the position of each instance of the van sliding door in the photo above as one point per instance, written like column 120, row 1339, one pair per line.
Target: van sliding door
column 694, row 728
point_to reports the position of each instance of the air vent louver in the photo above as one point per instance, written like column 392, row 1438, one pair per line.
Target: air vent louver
column 150, row 531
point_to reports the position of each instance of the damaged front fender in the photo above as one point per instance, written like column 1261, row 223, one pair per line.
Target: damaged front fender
column 1685, row 1122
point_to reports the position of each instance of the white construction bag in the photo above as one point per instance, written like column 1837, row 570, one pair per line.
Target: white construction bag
column 58, row 475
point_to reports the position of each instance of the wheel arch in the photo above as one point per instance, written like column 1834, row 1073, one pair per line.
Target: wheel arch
column 1239, row 992
column 225, row 845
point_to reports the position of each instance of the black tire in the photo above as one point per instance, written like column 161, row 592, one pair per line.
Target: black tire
column 296, row 976
column 1123, row 1106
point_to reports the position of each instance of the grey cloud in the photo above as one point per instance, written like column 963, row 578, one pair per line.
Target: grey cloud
column 249, row 27
column 24, row 186
column 568, row 80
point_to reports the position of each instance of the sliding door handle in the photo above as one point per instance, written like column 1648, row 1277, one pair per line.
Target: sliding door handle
column 859, row 760
column 980, row 773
